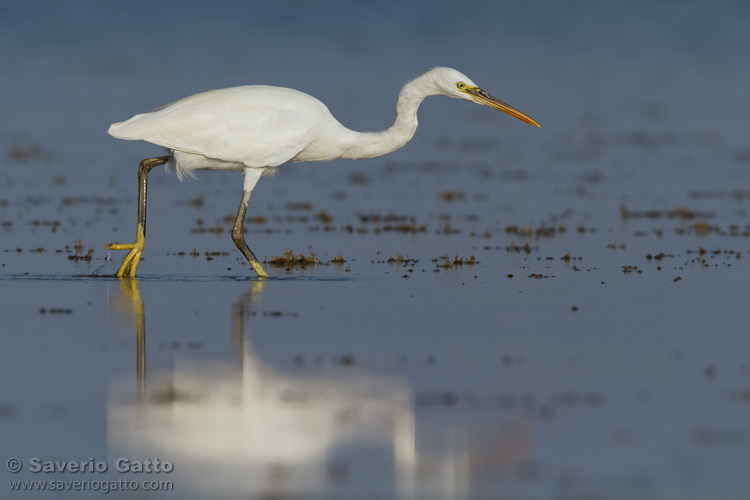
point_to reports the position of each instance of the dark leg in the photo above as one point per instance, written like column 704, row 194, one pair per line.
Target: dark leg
column 239, row 238
column 130, row 263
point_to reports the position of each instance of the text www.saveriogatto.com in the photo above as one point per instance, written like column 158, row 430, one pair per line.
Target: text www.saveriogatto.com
column 102, row 486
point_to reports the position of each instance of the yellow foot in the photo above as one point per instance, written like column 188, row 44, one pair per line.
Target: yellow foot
column 130, row 262
column 259, row 269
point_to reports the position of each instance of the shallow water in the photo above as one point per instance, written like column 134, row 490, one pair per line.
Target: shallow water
column 521, row 313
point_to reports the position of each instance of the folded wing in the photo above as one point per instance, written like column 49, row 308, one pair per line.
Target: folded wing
column 258, row 126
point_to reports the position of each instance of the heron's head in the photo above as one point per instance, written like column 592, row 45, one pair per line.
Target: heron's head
column 452, row 83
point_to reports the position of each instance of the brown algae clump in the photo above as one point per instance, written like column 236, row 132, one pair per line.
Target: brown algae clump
column 289, row 260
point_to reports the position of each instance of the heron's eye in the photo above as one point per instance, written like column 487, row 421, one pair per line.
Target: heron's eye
column 461, row 85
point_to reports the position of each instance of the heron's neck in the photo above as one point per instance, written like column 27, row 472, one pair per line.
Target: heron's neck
column 371, row 144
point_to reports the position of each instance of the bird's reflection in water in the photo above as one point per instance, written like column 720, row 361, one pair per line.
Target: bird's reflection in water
column 127, row 307
column 245, row 428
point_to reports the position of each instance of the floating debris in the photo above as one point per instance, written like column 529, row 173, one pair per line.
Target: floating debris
column 303, row 206
column 702, row 228
column 289, row 260
column 448, row 263
column 53, row 225
column 682, row 213
column 211, row 255
column 449, row 195
column 400, row 260
column 23, row 153
column 513, row 248
column 55, row 310
column 387, row 218
column 536, row 233
column 79, row 248
column 197, row 201
column 631, row 269
column 359, row 179
column 568, row 258
column 403, row 228
column 324, row 217
column 448, row 229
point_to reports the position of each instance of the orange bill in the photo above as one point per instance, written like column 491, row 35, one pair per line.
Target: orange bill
column 482, row 97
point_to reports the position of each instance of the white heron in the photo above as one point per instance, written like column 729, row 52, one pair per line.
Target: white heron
column 254, row 129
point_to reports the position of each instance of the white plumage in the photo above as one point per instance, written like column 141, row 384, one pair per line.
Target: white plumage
column 253, row 126
column 257, row 128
